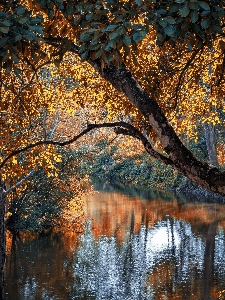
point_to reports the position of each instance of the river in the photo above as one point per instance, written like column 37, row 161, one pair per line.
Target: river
column 136, row 245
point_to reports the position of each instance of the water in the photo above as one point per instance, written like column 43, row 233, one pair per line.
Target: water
column 136, row 245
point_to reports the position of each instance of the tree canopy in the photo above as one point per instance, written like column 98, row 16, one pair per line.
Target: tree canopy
column 161, row 63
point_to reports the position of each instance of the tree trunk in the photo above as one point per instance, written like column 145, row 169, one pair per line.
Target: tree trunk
column 183, row 160
column 2, row 237
column 210, row 139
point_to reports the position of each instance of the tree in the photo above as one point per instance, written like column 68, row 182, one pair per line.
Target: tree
column 107, row 37
column 148, row 59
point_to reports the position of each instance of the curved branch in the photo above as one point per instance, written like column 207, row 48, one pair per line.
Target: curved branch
column 137, row 134
column 131, row 130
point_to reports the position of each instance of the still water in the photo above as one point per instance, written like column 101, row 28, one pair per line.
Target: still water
column 136, row 245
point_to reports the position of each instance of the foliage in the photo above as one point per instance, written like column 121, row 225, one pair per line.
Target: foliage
column 45, row 201
column 137, row 168
column 53, row 54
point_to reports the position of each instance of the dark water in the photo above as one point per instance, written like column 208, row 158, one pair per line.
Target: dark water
column 137, row 245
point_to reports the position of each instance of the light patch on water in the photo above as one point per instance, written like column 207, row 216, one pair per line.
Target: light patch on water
column 162, row 239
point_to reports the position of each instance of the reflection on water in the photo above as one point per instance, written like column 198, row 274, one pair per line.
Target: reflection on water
column 132, row 248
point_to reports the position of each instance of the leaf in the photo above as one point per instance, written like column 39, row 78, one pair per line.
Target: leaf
column 169, row 30
column 89, row 17
column 110, row 27
column 17, row 71
column 20, row 11
column 84, row 55
column 205, row 23
column 204, row 5
column 184, row 11
column 37, row 28
column 113, row 35
column 194, row 16
column 6, row 23
column 3, row 41
column 127, row 40
column 15, row 58
column 4, row 29
column 22, row 20
column 170, row 20
column 84, row 37
column 139, row 36
column 139, row 2
column 163, row 22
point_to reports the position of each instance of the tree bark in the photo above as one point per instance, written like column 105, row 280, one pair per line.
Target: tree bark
column 199, row 172
column 210, row 139
column 2, row 237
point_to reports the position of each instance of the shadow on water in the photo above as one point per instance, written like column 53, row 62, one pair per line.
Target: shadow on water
column 135, row 246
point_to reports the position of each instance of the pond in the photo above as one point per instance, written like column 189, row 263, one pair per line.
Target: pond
column 137, row 245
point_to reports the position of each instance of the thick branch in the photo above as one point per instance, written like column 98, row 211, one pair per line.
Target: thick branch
column 75, row 138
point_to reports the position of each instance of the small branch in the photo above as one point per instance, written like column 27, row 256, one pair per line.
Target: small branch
column 187, row 65
column 137, row 134
column 55, row 125
column 19, row 183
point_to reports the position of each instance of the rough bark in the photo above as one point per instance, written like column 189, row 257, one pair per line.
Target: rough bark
column 199, row 172
column 210, row 139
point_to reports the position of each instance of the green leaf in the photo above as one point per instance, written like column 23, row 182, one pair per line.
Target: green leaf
column 28, row 37
column 189, row 47
column 15, row 59
column 84, row 55
column 84, row 37
column 20, row 11
column 110, row 45
column 174, row 7
column 18, row 37
column 37, row 28
column 99, row 53
column 6, row 23
column 184, row 10
column 22, row 20
column 113, row 35
column 170, row 20
column 3, row 41
column 76, row 21
column 163, row 22
column 4, row 29
column 121, row 30
column 89, row 17
column 17, row 71
column 194, row 16
column 139, row 2
column 161, row 12
column 139, row 36
column 206, row 23
column 127, row 40
column 169, row 30
column 204, row 5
